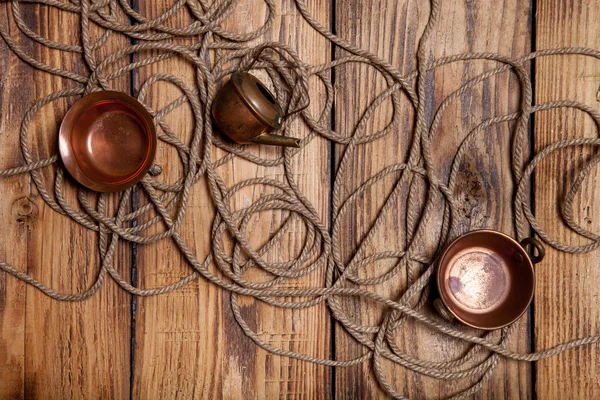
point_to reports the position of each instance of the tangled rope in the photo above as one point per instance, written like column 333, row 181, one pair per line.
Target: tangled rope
column 321, row 252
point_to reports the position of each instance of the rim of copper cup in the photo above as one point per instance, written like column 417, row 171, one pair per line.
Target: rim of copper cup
column 442, row 288
column 66, row 149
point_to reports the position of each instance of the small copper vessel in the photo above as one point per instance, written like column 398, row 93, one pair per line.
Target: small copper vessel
column 486, row 279
column 107, row 141
column 246, row 111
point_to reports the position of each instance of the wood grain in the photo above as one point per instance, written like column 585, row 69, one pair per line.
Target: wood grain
column 16, row 225
column 177, row 340
column 391, row 30
column 54, row 349
column 305, row 331
column 484, row 183
column 568, row 286
column 187, row 343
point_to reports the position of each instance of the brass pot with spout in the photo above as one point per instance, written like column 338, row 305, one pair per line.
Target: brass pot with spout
column 246, row 111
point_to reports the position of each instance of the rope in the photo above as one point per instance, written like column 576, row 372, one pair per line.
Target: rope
column 321, row 250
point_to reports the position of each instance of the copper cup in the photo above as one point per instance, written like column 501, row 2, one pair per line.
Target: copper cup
column 107, row 141
column 486, row 279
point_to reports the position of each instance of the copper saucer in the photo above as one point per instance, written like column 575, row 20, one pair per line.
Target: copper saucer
column 107, row 141
column 486, row 279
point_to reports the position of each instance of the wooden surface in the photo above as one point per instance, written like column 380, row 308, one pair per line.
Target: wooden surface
column 186, row 344
column 197, row 352
column 483, row 186
column 53, row 349
column 568, row 291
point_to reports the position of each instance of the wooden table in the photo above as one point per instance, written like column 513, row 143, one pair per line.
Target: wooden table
column 186, row 344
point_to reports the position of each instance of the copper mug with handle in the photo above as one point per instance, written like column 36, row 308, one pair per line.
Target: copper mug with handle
column 486, row 279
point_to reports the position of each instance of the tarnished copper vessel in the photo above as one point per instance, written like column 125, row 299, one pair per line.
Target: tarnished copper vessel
column 486, row 279
column 107, row 141
column 246, row 111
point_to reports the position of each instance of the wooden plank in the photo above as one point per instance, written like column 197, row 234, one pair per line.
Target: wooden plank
column 16, row 222
column 187, row 342
column 56, row 349
column 391, row 30
column 176, row 340
column 568, row 286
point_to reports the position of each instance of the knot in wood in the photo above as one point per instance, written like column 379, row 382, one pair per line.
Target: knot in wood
column 24, row 210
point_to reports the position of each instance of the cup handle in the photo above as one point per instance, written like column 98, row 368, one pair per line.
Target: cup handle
column 442, row 310
column 541, row 251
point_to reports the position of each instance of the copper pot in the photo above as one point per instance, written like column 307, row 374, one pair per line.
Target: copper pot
column 107, row 141
column 486, row 279
column 246, row 111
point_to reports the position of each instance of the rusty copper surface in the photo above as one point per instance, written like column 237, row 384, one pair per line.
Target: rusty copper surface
column 486, row 279
column 246, row 111
column 107, row 141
